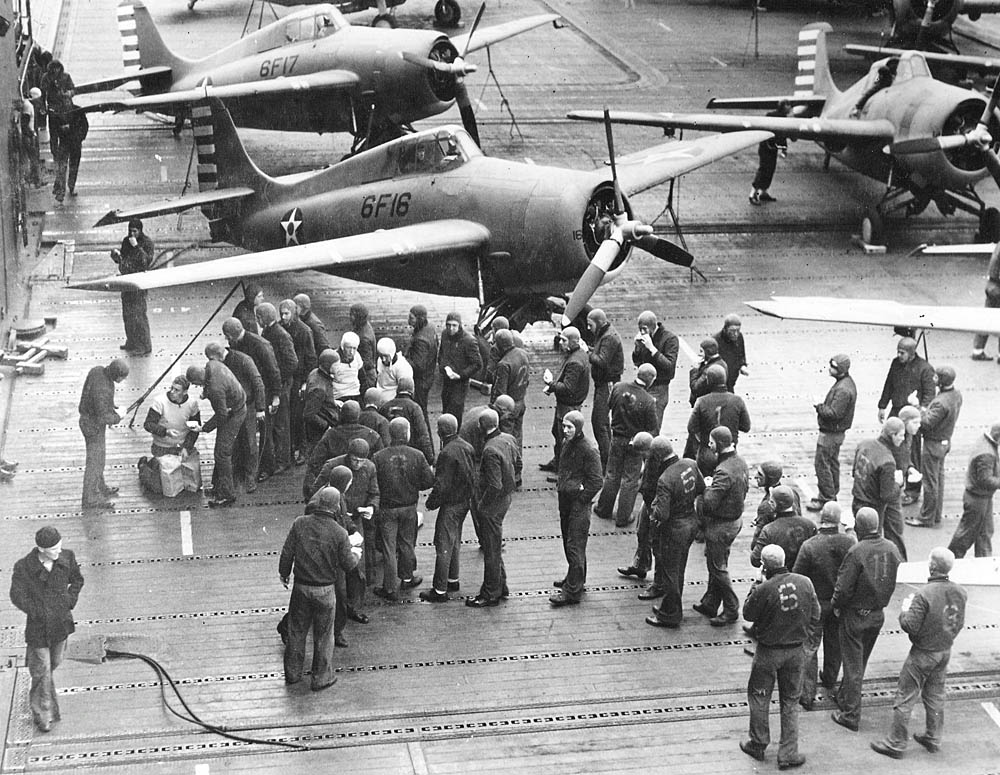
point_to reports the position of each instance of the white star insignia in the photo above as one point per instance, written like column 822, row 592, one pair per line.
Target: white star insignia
column 290, row 226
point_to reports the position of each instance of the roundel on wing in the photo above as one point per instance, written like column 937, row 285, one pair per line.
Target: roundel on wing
column 291, row 226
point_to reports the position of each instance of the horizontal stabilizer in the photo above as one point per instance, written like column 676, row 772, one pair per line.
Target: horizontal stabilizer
column 147, row 74
column 489, row 35
column 328, row 80
column 967, row 571
column 653, row 166
column 880, row 312
column 176, row 205
column 442, row 240
column 791, row 127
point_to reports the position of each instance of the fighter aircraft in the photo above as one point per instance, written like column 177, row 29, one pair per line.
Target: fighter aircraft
column 447, row 13
column 427, row 212
column 920, row 23
column 928, row 141
column 310, row 71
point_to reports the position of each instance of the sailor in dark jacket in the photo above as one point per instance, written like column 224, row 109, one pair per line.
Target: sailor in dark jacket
column 454, row 486
column 305, row 354
column 655, row 344
column 288, row 366
column 136, row 254
column 579, row 479
column 97, row 412
column 46, row 584
column 511, row 379
column 877, row 481
column 982, row 480
column 245, row 451
column 253, row 295
column 318, row 328
column 422, row 354
column 865, row 583
column 229, row 407
column 570, row 387
column 403, row 405
column 458, row 361
column 607, row 362
column 717, row 407
column 722, row 520
column 336, row 441
column 732, row 349
column 937, row 424
column 674, row 524
column 835, row 416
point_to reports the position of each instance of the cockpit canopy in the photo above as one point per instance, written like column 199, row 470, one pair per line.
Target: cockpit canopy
column 908, row 66
column 318, row 21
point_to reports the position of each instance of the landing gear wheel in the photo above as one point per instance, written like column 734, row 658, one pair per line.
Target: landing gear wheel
column 384, row 20
column 447, row 13
column 989, row 225
column 872, row 228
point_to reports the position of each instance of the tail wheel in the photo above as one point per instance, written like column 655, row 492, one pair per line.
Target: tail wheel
column 447, row 13
column 989, row 225
column 386, row 20
column 872, row 228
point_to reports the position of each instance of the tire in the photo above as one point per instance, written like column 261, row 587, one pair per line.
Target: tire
column 447, row 13
column 872, row 228
column 385, row 20
column 989, row 225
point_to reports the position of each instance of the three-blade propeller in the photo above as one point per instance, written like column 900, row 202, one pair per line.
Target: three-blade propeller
column 458, row 68
column 622, row 231
column 978, row 138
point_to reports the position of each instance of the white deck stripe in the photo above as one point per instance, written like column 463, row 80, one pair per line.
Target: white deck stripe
column 992, row 712
column 187, row 543
column 691, row 354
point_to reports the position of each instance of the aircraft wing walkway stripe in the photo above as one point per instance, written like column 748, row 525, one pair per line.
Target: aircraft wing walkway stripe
column 878, row 312
column 439, row 240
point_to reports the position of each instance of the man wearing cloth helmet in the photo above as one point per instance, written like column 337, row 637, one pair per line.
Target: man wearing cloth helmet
column 910, row 381
column 835, row 415
column 937, row 423
column 877, row 481
column 718, row 407
column 135, row 255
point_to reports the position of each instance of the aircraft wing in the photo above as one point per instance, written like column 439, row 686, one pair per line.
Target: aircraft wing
column 445, row 238
column 973, row 249
column 653, row 166
column 326, row 80
column 490, row 35
column 980, row 64
column 967, row 571
column 877, row 312
column 855, row 130
column 178, row 205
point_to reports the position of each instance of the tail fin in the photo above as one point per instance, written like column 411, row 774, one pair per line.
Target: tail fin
column 142, row 46
column 813, row 77
column 222, row 160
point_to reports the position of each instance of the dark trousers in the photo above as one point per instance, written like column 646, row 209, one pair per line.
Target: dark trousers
column 311, row 608
column 67, row 157
column 827, row 633
column 557, row 435
column 975, row 527
column 296, row 427
column 621, row 481
column 447, row 540
column 768, row 163
column 397, row 535
column 600, row 420
column 453, row 392
column 42, row 662
column 922, row 678
column 94, row 487
column 281, row 429
column 783, row 665
column 661, row 394
column 136, row 321
column 644, row 539
column 491, row 515
column 421, row 390
column 225, row 441
column 932, row 480
column 719, row 537
column 574, row 522
column 827, row 463
column 672, row 545
column 858, row 632
column 516, row 422
column 245, row 450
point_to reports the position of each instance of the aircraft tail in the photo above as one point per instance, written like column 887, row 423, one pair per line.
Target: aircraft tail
column 143, row 48
column 813, row 77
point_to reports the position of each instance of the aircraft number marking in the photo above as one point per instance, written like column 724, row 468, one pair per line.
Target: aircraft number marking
column 391, row 205
column 273, row 68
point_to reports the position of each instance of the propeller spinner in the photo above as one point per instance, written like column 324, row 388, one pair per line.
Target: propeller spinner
column 621, row 230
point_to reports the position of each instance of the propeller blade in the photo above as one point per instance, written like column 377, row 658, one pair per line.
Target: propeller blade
column 929, row 144
column 619, row 203
column 590, row 280
column 665, row 250
column 466, row 111
column 993, row 165
column 475, row 24
column 992, row 104
column 457, row 68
